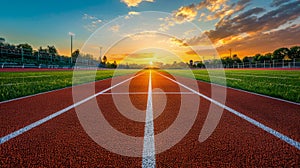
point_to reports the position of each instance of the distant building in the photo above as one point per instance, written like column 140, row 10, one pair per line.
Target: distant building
column 2, row 40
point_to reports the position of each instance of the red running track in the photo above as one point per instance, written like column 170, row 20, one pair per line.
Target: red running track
column 62, row 141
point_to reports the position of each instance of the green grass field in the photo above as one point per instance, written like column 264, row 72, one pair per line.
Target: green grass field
column 282, row 84
column 19, row 84
column 276, row 83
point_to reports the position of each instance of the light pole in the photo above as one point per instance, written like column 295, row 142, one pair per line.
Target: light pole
column 71, row 35
column 22, row 54
column 100, row 54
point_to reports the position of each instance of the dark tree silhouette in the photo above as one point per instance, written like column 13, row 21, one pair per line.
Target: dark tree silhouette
column 104, row 59
column 280, row 53
column 294, row 52
column 52, row 50
column 26, row 47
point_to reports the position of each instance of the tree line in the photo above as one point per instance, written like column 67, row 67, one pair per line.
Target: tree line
column 277, row 55
column 25, row 54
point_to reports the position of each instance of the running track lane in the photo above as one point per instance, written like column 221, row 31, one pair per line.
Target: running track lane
column 234, row 143
column 62, row 142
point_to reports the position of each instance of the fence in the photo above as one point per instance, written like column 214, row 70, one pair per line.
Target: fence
column 16, row 65
column 295, row 63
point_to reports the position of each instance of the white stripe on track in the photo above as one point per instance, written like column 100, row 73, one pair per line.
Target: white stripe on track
column 275, row 133
column 39, row 122
column 55, row 90
column 149, row 147
column 146, row 93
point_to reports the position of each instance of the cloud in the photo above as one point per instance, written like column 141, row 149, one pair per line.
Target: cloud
column 218, row 9
column 134, row 3
column 92, row 22
column 239, row 24
column 249, row 22
column 201, row 40
column 264, row 42
column 178, row 42
column 277, row 3
column 212, row 5
column 117, row 57
column 115, row 28
column 190, row 32
column 141, row 35
column 183, row 14
column 251, row 31
column 141, row 55
column 131, row 57
column 225, row 10
column 88, row 17
column 132, row 13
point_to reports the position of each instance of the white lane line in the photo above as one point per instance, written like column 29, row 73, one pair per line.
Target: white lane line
column 258, row 94
column 149, row 147
column 211, row 76
column 39, row 122
column 23, row 83
column 55, row 90
column 16, row 77
column 261, row 76
column 275, row 133
column 146, row 93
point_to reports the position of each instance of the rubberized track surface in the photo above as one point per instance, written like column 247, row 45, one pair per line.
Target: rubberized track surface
column 62, row 142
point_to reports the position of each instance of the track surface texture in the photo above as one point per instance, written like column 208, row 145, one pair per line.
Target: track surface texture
column 63, row 142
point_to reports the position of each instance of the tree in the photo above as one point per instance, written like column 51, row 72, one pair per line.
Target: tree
column 52, row 50
column 227, row 60
column 246, row 59
column 114, row 65
column 104, row 59
column 294, row 52
column 257, row 57
column 191, row 63
column 236, row 59
column 75, row 55
column 200, row 64
column 280, row 53
column 268, row 56
column 26, row 47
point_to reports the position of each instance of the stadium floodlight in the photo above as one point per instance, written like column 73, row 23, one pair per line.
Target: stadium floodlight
column 71, row 34
column 100, row 53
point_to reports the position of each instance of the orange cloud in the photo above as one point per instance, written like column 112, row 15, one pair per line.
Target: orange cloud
column 134, row 3
column 178, row 42
column 185, row 14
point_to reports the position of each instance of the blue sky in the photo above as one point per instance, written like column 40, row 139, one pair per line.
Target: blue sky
column 42, row 23
column 48, row 22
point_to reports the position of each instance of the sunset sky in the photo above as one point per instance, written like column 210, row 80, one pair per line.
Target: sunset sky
column 175, row 29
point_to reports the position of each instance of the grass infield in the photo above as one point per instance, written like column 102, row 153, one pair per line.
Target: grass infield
column 19, row 84
column 283, row 84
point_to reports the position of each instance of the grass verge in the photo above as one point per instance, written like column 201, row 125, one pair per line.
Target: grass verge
column 19, row 84
column 283, row 84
